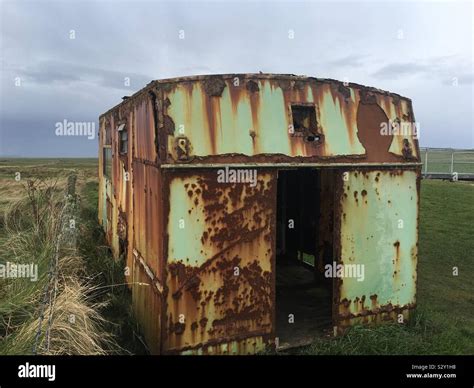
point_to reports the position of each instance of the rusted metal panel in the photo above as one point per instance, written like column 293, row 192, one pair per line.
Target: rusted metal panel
column 242, row 346
column 326, row 218
column 337, row 113
column 145, row 132
column 252, row 122
column 102, row 194
column 248, row 117
column 400, row 111
column 256, row 121
column 377, row 232
column 202, row 252
column 147, row 306
column 148, row 215
column 108, row 206
column 121, row 185
column 101, row 211
column 109, row 219
column 220, row 261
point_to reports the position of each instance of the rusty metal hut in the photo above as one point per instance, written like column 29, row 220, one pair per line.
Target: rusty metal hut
column 211, row 262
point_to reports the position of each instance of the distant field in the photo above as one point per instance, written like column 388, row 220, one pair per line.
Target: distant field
column 440, row 161
column 46, row 167
column 35, row 168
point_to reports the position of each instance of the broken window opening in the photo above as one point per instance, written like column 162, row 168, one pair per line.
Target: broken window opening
column 108, row 136
column 123, row 139
column 305, row 124
column 107, row 162
column 304, row 118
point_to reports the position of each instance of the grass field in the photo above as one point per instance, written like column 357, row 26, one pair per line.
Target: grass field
column 442, row 324
column 109, row 273
column 110, row 327
column 54, row 169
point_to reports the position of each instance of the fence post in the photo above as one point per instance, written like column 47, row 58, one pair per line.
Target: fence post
column 452, row 162
column 426, row 161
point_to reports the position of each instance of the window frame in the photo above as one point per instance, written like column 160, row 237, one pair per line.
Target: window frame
column 107, row 161
column 122, row 139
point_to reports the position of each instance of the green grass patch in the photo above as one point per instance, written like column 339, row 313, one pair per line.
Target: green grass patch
column 420, row 336
column 109, row 274
column 51, row 311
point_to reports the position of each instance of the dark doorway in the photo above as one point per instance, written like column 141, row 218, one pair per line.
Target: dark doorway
column 304, row 244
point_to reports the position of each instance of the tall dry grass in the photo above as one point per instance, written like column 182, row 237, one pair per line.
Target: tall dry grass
column 56, row 314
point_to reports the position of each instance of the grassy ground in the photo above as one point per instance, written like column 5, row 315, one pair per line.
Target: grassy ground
column 442, row 324
column 94, row 269
column 54, row 312
column 109, row 273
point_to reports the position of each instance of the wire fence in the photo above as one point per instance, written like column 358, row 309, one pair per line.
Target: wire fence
column 448, row 163
column 66, row 239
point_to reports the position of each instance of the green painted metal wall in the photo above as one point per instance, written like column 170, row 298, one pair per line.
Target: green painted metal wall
column 378, row 229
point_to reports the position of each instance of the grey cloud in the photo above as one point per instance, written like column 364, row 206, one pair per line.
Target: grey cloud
column 80, row 79
column 36, row 137
column 459, row 79
column 49, row 72
column 441, row 68
column 397, row 70
column 352, row 60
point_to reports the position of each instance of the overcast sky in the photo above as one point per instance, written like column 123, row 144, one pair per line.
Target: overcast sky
column 68, row 60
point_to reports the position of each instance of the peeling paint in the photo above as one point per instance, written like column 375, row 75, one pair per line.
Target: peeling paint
column 183, row 235
column 383, row 239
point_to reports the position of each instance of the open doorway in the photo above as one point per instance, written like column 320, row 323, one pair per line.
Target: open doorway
column 305, row 208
